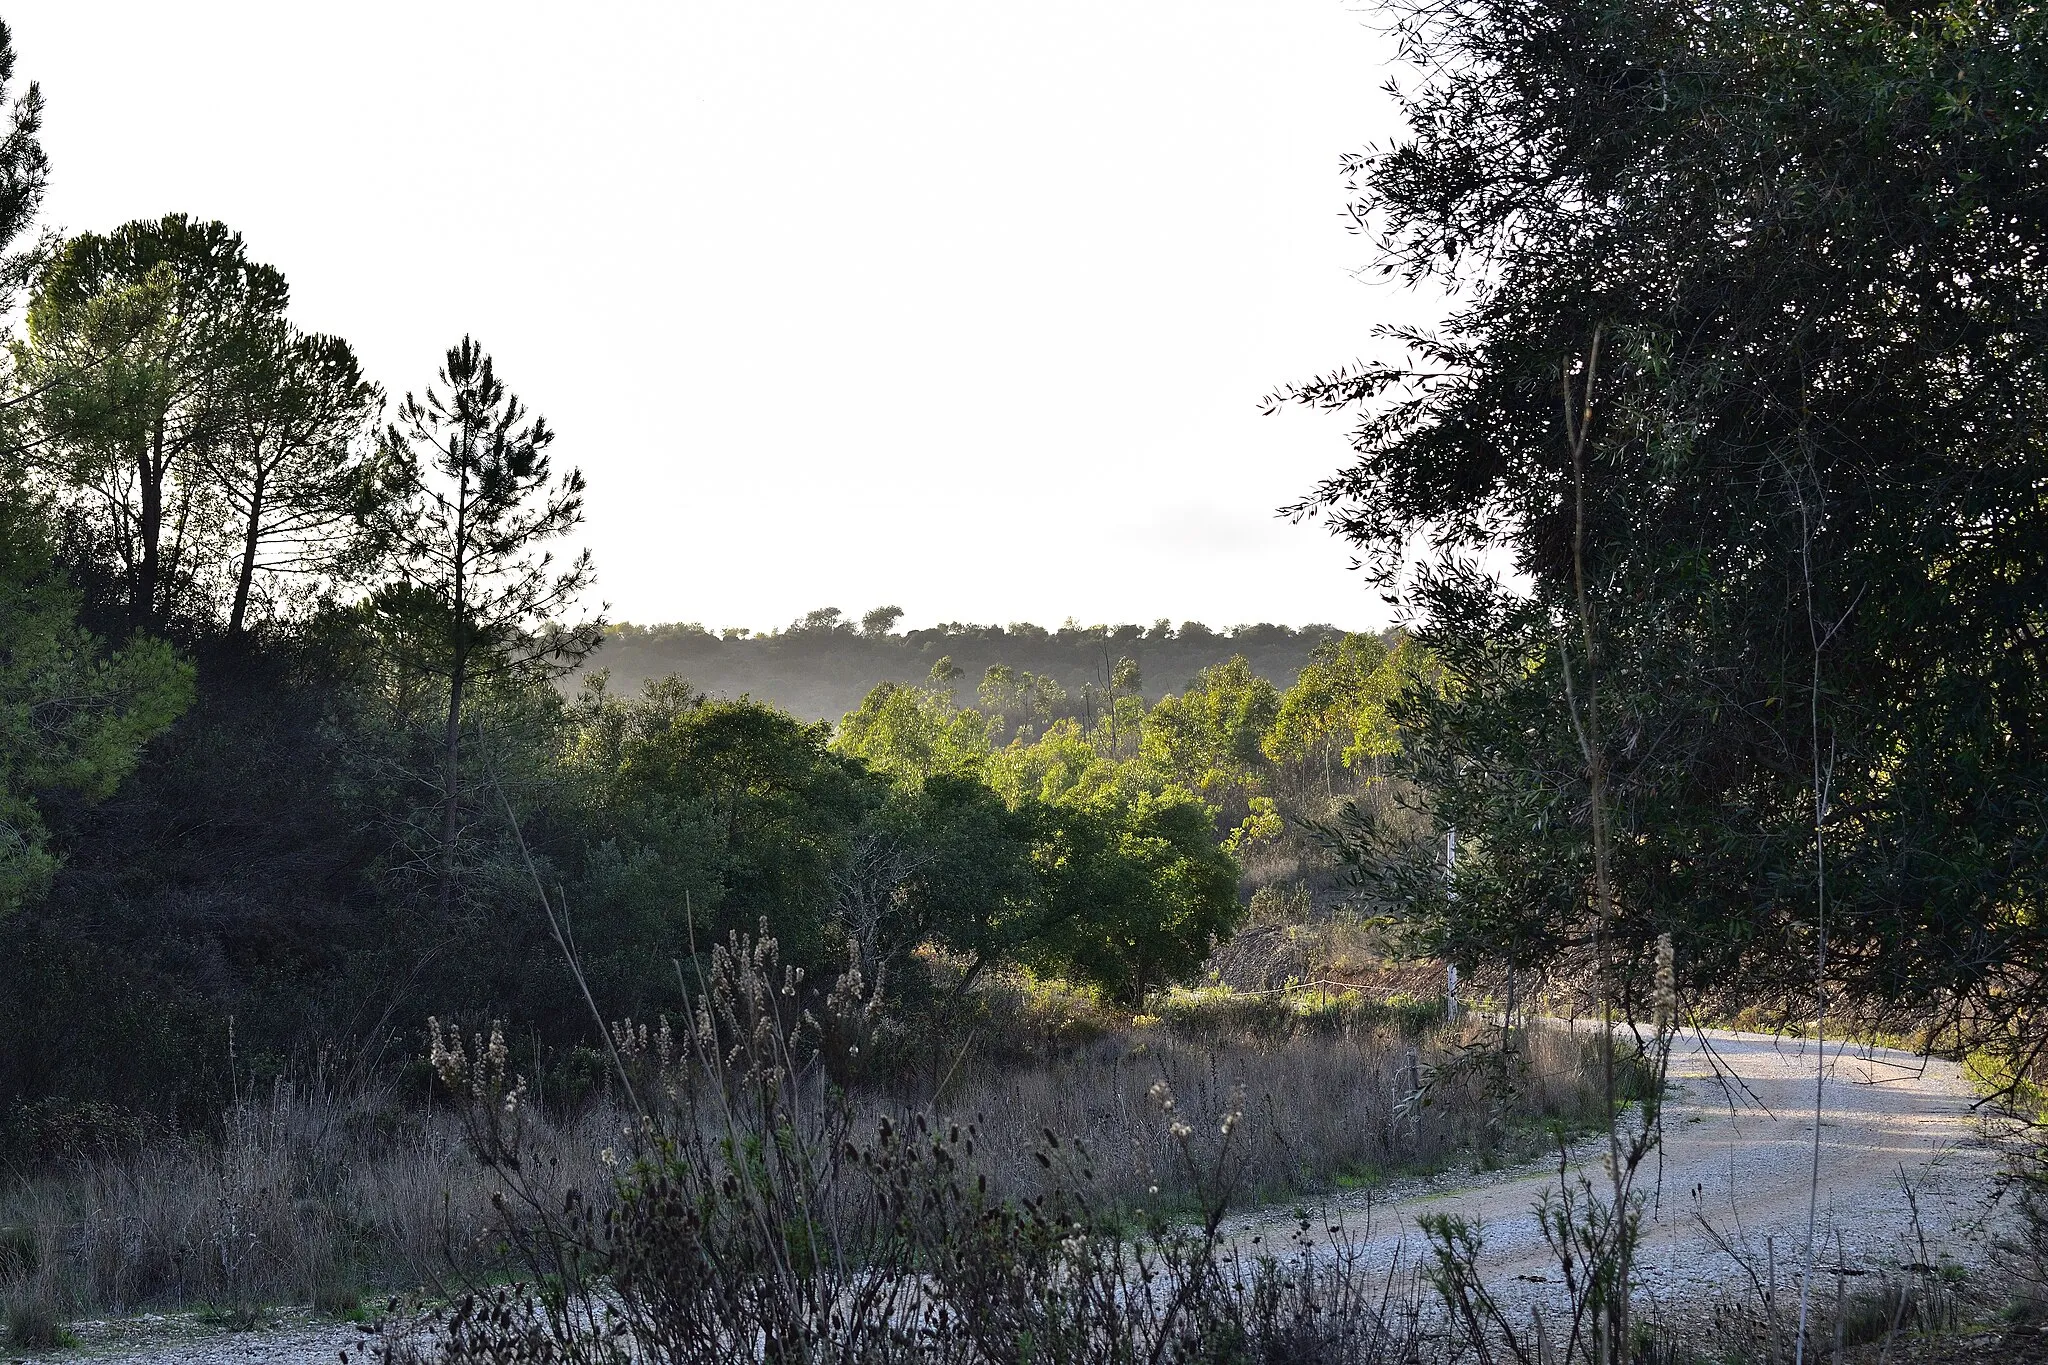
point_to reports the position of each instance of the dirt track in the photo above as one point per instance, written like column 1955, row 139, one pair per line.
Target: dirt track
column 1738, row 1153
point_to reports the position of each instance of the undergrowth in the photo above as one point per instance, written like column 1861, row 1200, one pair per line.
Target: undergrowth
column 314, row 1193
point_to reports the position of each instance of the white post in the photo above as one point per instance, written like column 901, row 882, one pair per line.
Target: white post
column 1450, row 968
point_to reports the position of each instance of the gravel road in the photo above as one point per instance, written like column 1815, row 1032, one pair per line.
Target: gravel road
column 1737, row 1152
column 293, row 1337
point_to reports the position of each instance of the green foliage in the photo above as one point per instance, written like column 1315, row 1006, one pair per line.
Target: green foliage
column 24, row 169
column 910, row 733
column 1229, row 736
column 946, row 860
column 1262, row 823
column 1058, row 851
column 729, row 798
column 130, row 338
column 1137, row 889
column 1339, row 705
column 1790, row 258
column 1136, row 841
column 1059, row 765
column 1211, row 738
column 73, row 715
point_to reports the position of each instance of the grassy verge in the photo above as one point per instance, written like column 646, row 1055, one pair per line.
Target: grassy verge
column 309, row 1195
column 1337, row 1092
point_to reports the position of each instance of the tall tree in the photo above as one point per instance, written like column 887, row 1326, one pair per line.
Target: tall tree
column 24, row 174
column 1135, row 892
column 1018, row 704
column 475, row 501
column 129, row 342
column 24, row 169
column 73, row 717
column 292, row 458
column 1207, row 739
column 1336, row 710
column 915, row 732
column 1811, row 241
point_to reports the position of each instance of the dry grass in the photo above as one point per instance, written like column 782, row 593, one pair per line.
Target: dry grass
column 1328, row 1091
column 306, row 1195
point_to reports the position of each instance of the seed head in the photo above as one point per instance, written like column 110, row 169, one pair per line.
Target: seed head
column 444, row 1054
column 1235, row 1113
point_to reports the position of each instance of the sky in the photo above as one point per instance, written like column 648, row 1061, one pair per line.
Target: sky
column 957, row 306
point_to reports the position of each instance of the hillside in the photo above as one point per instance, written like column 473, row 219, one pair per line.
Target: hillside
column 820, row 667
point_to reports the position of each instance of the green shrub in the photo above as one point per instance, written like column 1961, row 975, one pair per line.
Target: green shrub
column 33, row 1322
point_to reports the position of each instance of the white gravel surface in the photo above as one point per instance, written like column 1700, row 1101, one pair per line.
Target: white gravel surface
column 291, row 1337
column 1737, row 1153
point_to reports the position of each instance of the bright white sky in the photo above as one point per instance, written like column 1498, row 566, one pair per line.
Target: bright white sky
column 956, row 305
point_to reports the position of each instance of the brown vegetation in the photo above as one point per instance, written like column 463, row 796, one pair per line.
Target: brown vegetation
column 310, row 1193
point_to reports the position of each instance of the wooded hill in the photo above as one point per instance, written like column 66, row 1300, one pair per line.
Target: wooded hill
column 821, row 666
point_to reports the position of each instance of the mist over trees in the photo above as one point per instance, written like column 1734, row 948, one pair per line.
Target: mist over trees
column 823, row 663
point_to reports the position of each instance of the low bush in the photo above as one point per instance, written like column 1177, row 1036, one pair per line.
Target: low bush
column 33, row 1320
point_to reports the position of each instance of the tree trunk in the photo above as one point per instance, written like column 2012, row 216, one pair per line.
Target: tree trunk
column 250, row 536
column 458, row 667
column 150, row 468
column 1614, row 1337
column 967, row 978
column 452, row 789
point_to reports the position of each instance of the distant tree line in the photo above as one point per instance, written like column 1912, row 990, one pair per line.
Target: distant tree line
column 823, row 663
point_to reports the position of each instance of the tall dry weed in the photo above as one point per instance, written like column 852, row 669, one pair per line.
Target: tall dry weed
column 303, row 1193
